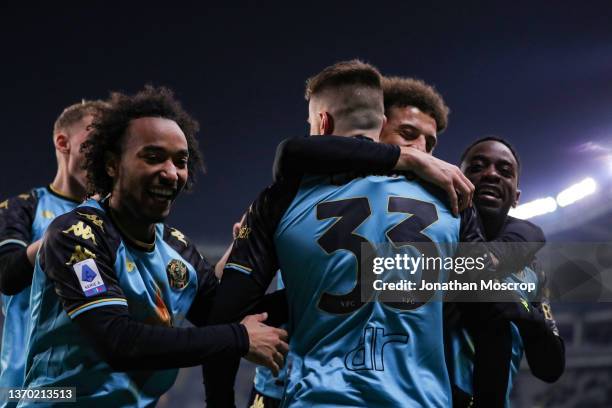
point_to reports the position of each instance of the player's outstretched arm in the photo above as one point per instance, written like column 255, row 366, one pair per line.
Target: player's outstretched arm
column 335, row 154
column 78, row 257
column 544, row 346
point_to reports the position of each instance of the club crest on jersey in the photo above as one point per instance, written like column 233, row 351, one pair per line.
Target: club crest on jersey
column 89, row 277
column 178, row 275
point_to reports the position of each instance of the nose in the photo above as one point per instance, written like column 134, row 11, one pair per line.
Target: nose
column 169, row 172
column 490, row 173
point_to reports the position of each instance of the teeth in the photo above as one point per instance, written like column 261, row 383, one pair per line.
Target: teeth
column 163, row 192
column 490, row 192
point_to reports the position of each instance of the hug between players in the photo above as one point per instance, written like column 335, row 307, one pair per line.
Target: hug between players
column 100, row 295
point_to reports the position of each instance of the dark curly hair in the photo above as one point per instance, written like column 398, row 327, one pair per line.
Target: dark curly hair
column 401, row 92
column 110, row 126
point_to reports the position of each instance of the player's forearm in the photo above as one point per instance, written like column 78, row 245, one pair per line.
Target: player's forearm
column 333, row 154
column 130, row 345
column 15, row 270
column 517, row 245
column 545, row 353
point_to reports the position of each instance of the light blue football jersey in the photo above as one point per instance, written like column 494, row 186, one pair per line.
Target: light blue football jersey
column 462, row 345
column 370, row 354
column 265, row 382
column 158, row 286
column 25, row 219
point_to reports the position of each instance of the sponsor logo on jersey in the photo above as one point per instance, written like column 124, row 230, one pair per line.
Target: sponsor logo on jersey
column 80, row 254
column 178, row 276
column 94, row 219
column 81, row 230
column 48, row 214
column 89, row 277
column 178, row 235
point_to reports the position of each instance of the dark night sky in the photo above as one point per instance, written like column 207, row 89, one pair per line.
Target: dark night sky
column 537, row 73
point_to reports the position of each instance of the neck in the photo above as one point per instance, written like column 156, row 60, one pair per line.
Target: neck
column 68, row 186
column 142, row 233
column 493, row 224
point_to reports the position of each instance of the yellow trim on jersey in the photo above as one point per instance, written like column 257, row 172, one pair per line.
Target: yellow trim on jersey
column 64, row 195
column 95, row 302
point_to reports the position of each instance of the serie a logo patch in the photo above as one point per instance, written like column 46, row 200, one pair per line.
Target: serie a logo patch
column 89, row 277
column 178, row 275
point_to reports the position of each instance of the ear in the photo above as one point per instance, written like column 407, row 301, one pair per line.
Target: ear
column 111, row 165
column 326, row 126
column 516, row 198
column 62, row 143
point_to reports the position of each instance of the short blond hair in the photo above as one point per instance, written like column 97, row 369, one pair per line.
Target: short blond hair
column 74, row 113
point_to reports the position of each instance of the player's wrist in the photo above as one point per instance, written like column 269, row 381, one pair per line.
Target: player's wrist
column 409, row 159
column 243, row 340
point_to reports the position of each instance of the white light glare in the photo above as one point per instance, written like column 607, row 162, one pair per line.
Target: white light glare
column 534, row 208
column 576, row 192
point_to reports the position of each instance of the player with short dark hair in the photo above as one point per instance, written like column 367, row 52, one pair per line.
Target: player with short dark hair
column 113, row 284
column 407, row 126
column 482, row 363
column 23, row 221
column 313, row 229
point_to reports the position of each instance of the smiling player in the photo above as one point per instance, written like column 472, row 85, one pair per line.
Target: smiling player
column 113, row 283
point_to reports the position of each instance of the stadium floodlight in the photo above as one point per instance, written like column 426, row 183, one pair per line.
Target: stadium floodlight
column 576, row 192
column 534, row 208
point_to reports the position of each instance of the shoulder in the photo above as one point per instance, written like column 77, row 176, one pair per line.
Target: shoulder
column 20, row 202
column 175, row 238
column 88, row 222
column 513, row 220
column 178, row 241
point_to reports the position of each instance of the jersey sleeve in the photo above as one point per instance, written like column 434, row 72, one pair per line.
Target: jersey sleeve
column 250, row 268
column 333, row 154
column 16, row 218
column 78, row 256
column 207, row 281
column 512, row 250
column 253, row 251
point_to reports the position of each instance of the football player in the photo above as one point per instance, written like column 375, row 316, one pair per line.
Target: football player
column 346, row 352
column 23, row 222
column 113, row 284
